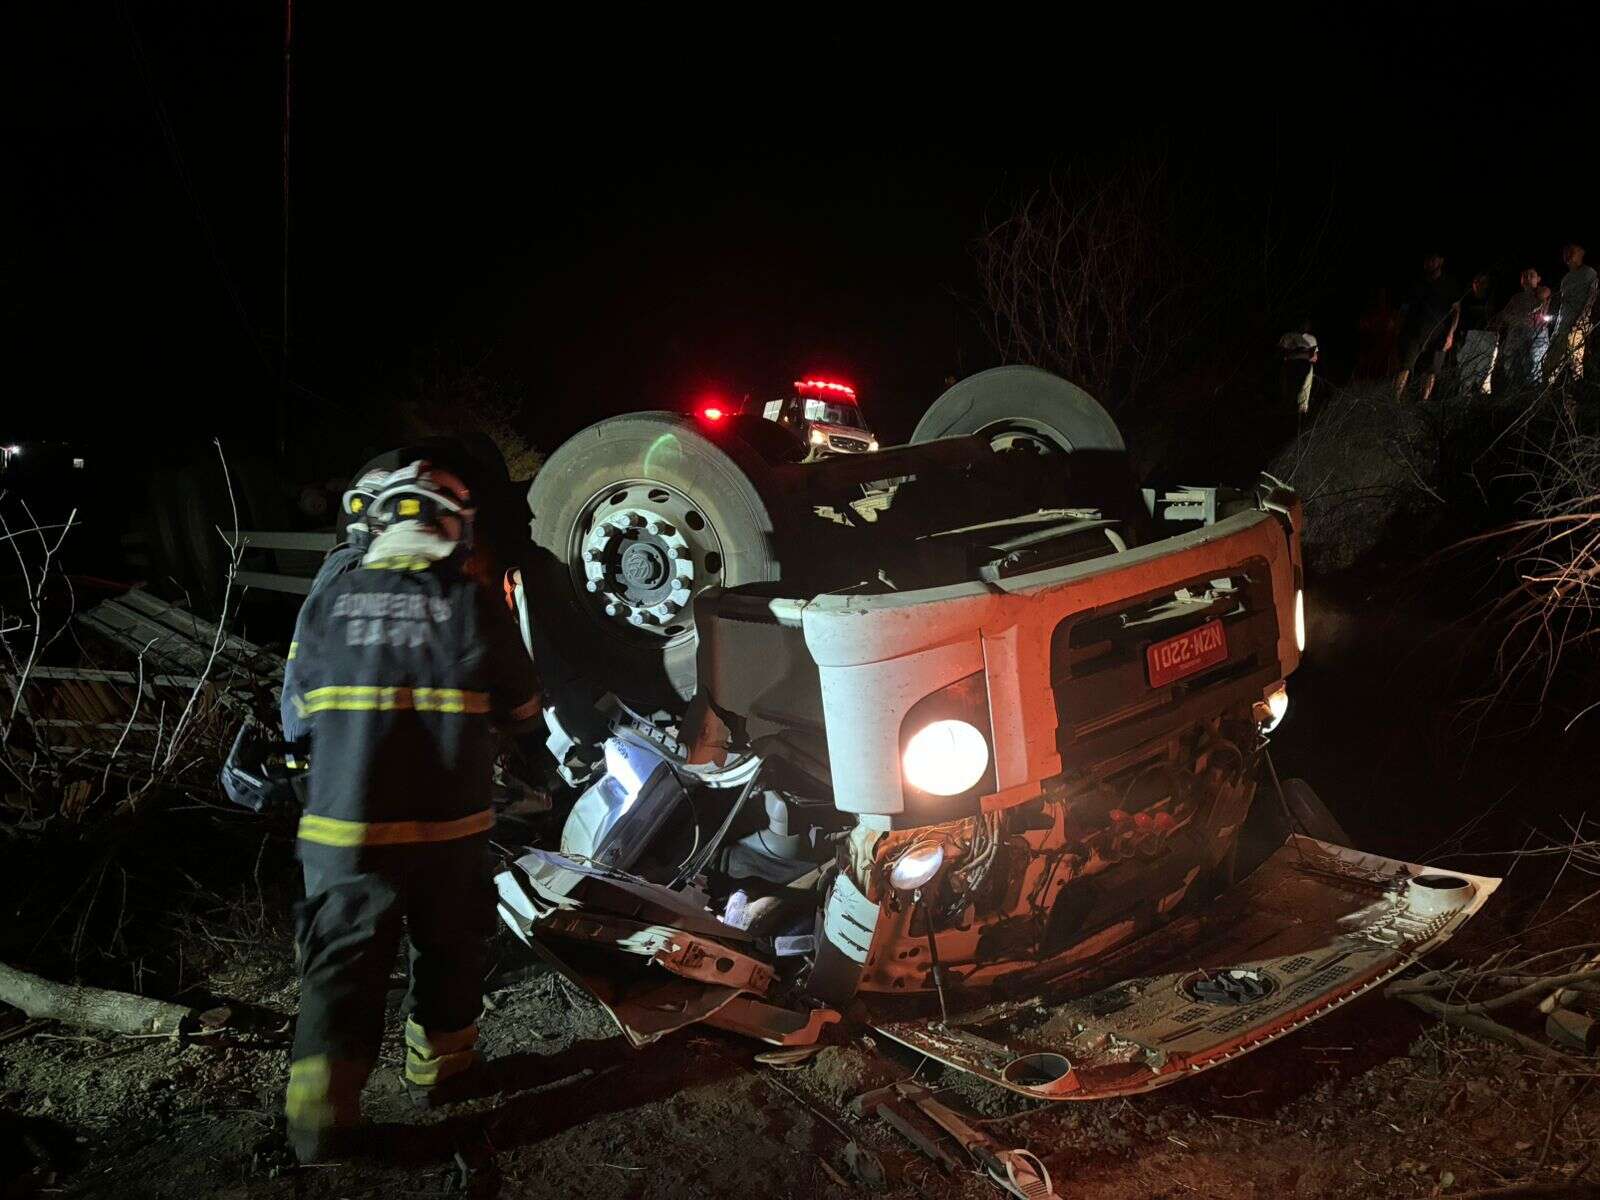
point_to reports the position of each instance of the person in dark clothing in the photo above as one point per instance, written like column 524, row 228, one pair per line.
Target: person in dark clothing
column 1475, row 352
column 1428, row 325
column 402, row 665
column 1377, row 354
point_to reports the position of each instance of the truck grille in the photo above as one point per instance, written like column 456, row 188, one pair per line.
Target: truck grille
column 848, row 445
column 1105, row 705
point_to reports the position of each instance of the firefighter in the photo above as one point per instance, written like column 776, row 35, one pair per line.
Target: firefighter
column 400, row 668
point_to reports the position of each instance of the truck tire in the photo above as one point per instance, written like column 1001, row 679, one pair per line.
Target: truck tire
column 631, row 519
column 1023, row 409
column 1019, row 403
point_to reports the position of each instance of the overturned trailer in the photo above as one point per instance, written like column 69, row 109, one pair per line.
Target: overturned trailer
column 966, row 739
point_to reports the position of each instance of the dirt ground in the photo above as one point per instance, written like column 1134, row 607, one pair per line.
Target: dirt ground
column 1373, row 1100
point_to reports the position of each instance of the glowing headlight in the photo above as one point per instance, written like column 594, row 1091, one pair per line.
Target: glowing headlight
column 1300, row 620
column 818, row 438
column 916, row 866
column 873, row 444
column 945, row 758
column 1270, row 708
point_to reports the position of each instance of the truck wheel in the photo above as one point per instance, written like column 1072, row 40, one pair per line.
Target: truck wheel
column 631, row 519
column 1021, row 406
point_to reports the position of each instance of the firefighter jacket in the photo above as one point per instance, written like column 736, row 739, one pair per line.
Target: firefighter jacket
column 400, row 667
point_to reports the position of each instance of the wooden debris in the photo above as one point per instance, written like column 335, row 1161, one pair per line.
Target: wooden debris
column 90, row 1008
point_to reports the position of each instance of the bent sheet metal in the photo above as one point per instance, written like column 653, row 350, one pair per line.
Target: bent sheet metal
column 1314, row 927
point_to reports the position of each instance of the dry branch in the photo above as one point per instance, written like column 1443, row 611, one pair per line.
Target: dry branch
column 1477, row 1023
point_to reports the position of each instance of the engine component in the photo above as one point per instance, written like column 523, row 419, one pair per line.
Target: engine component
column 616, row 818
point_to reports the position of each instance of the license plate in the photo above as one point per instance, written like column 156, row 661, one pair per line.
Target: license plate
column 1177, row 657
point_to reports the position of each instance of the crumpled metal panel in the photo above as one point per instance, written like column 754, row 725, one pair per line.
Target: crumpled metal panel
column 1316, row 926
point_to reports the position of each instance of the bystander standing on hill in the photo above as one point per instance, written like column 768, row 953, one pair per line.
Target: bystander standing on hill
column 1428, row 326
column 1574, row 312
column 1474, row 339
column 1523, row 332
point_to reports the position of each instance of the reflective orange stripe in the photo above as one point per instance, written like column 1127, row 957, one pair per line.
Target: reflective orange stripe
column 529, row 708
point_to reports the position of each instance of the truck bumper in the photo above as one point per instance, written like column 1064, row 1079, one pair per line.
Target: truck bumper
column 1313, row 928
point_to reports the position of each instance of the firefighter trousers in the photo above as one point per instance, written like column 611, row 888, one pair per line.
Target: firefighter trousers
column 358, row 902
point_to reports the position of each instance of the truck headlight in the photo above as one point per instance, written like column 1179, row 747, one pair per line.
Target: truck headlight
column 1300, row 620
column 818, row 438
column 916, row 866
column 945, row 758
column 1270, row 709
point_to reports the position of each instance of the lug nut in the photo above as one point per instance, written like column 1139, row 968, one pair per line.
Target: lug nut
column 612, row 610
column 591, row 556
column 593, row 585
column 622, row 520
column 638, row 618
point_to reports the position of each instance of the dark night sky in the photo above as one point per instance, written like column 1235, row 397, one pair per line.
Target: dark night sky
column 616, row 217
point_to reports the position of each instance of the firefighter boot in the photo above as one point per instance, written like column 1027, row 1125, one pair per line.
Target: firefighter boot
column 441, row 1068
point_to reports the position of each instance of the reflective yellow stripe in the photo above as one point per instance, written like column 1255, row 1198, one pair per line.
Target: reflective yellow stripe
column 366, row 698
column 432, row 1058
column 399, row 562
column 431, row 1071
column 324, row 1093
column 331, row 831
column 294, row 648
column 429, row 1045
column 307, row 1102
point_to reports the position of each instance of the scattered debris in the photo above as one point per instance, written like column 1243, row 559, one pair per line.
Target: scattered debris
column 789, row 1058
column 1573, row 1030
column 155, row 700
column 865, row 1166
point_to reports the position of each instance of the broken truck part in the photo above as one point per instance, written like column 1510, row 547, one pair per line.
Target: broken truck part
column 967, row 737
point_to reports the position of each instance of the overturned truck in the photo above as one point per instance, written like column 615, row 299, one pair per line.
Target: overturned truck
column 966, row 739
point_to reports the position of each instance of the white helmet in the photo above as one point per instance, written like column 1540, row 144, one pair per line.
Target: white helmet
column 430, row 496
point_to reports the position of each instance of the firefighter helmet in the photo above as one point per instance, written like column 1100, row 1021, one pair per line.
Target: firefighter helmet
column 428, row 495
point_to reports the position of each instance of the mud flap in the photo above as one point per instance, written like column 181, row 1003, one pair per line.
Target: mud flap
column 1314, row 927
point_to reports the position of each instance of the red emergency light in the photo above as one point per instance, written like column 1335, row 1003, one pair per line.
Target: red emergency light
column 712, row 413
column 824, row 386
